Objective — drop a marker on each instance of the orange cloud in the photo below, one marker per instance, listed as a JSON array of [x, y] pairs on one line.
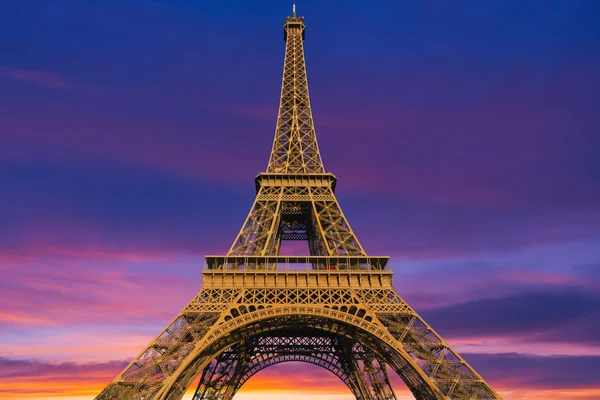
[[34, 380]]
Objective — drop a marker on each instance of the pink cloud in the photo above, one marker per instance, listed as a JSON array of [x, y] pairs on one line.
[[88, 293], [32, 253], [80, 343], [21, 379]]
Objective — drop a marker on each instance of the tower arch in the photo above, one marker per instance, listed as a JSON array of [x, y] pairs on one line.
[[296, 318]]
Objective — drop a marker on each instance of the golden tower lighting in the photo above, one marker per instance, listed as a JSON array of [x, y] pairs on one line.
[[335, 307]]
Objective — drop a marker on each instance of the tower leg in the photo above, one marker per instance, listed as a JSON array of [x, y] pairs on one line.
[[369, 372], [378, 379], [216, 378]]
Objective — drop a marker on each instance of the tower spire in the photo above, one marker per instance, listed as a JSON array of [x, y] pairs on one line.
[[294, 9], [295, 148]]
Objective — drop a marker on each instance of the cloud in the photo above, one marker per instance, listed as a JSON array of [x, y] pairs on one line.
[[38, 77], [127, 211], [50, 80], [522, 374], [557, 315], [11, 368], [512, 370], [494, 175], [27, 378], [95, 211], [419, 230], [86, 293]]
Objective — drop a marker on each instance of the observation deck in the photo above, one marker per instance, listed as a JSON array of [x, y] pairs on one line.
[[297, 263]]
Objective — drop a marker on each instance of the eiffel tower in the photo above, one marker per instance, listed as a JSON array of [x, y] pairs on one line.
[[335, 308]]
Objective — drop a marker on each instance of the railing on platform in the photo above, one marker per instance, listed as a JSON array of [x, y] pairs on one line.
[[319, 263]]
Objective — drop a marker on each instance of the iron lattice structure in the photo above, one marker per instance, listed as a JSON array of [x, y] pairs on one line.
[[335, 308]]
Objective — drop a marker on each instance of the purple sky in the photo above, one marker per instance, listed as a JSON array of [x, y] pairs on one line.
[[465, 137]]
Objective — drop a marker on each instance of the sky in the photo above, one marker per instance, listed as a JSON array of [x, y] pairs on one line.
[[465, 136]]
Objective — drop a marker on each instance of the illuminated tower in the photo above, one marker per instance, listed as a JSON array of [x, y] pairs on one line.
[[334, 307]]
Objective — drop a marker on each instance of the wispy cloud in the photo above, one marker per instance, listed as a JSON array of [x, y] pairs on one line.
[[43, 78], [21, 378], [516, 376], [552, 315]]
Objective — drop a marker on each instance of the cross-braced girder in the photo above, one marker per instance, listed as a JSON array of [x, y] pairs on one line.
[[341, 313], [314, 209]]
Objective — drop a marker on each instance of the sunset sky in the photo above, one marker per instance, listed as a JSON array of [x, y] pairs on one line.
[[465, 136]]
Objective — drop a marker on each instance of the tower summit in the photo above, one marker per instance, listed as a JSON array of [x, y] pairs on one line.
[[334, 307], [295, 146]]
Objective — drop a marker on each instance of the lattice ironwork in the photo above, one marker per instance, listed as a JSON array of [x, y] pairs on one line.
[[223, 377], [326, 228], [295, 148], [341, 312]]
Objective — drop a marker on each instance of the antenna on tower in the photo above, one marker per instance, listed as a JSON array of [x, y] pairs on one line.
[[294, 9]]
